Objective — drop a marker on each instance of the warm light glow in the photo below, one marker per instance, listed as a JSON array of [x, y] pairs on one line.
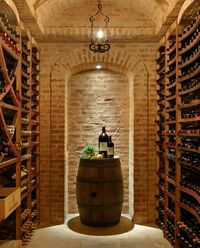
[[100, 34], [98, 66]]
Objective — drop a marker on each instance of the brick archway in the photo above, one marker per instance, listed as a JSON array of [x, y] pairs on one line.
[[135, 70]]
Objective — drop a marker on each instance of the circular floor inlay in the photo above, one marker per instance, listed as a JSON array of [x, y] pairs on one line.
[[125, 225]]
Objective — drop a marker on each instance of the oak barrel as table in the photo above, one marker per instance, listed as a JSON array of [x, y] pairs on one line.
[[99, 191]]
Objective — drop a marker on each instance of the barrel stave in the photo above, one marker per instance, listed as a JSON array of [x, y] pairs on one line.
[[99, 189]]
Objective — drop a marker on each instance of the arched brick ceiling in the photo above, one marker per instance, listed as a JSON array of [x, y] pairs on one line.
[[68, 20], [125, 24], [129, 20], [76, 17], [151, 9]]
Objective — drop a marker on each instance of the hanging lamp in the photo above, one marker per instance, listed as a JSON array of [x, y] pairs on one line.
[[99, 31]]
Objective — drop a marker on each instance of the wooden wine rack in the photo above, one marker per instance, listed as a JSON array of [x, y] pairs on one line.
[[178, 134], [19, 122]]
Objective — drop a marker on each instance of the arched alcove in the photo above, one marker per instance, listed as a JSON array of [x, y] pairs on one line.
[[136, 73], [96, 97], [61, 76]]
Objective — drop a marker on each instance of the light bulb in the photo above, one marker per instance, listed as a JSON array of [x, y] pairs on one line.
[[100, 34], [98, 66]]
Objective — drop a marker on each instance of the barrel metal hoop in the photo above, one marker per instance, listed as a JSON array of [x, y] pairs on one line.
[[82, 205], [107, 163], [103, 166], [80, 179]]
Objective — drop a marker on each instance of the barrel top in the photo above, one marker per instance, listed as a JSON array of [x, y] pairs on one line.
[[100, 162]]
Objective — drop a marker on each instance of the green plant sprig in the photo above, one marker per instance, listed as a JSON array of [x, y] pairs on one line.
[[88, 152]]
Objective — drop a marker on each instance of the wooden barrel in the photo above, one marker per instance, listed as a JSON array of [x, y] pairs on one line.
[[99, 191]]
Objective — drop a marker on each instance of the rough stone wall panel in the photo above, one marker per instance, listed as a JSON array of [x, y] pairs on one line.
[[97, 97]]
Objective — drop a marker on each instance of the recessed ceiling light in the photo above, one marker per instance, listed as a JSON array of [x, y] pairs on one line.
[[98, 66]]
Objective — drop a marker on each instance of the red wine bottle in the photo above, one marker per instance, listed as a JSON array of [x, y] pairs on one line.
[[110, 148], [103, 142]]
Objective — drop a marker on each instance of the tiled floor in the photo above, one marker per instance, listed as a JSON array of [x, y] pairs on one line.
[[62, 237]]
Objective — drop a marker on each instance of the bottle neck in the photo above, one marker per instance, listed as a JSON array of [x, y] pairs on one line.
[[110, 138], [103, 129]]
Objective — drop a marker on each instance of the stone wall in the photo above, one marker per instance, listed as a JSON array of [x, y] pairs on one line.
[[96, 97]]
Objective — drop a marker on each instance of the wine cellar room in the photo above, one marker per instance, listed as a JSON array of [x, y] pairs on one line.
[[99, 123]]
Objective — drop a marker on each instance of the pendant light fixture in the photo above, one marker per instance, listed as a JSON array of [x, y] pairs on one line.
[[99, 31]]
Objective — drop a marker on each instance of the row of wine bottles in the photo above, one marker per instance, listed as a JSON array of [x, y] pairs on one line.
[[190, 143], [188, 129], [190, 180], [170, 230], [186, 199], [189, 40], [10, 42], [22, 167], [185, 142], [9, 28], [186, 99], [177, 133], [189, 234], [106, 146], [188, 30], [190, 158], [185, 114], [186, 156], [189, 56]]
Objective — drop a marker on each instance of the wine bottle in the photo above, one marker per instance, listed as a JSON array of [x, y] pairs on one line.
[[171, 172], [103, 142], [2, 82], [171, 188], [110, 148]]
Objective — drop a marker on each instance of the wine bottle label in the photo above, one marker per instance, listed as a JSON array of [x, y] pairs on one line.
[[102, 146], [110, 151]]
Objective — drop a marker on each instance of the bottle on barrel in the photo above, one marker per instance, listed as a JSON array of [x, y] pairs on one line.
[[110, 148], [103, 142]]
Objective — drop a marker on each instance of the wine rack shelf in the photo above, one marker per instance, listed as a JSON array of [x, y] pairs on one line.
[[178, 135], [19, 129], [190, 192]]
